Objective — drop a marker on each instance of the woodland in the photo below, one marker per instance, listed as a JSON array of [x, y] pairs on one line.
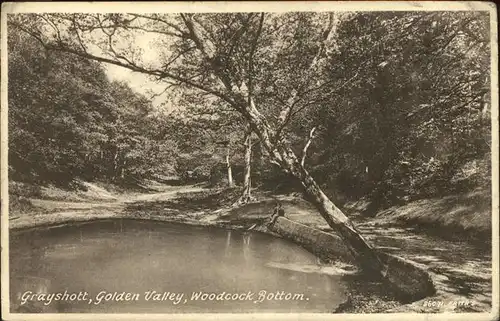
[[385, 107]]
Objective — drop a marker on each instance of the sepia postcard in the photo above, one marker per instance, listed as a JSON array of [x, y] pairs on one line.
[[281, 160]]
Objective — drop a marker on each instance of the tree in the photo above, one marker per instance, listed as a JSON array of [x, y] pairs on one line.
[[205, 125], [247, 179], [265, 67], [82, 125], [415, 115], [58, 104]]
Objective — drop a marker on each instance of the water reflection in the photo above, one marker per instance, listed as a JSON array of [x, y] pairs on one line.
[[227, 251], [246, 247], [136, 256]]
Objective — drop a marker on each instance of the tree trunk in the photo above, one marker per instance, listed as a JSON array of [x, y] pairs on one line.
[[247, 180], [114, 171], [282, 155], [246, 196], [362, 252], [229, 171], [122, 169], [242, 101]]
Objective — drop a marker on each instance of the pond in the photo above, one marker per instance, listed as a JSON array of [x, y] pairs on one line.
[[133, 266]]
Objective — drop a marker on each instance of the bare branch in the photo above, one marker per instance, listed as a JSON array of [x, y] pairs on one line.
[[208, 51], [53, 26], [194, 34], [113, 26], [172, 60], [238, 33], [163, 32], [129, 65], [285, 113], [77, 28], [252, 52], [171, 84], [272, 161], [326, 36], [306, 146], [205, 28], [301, 96], [177, 28]]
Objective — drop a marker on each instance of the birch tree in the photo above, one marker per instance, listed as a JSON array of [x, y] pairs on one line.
[[266, 67]]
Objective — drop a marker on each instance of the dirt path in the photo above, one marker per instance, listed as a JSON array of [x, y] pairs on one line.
[[58, 212], [162, 196], [168, 193]]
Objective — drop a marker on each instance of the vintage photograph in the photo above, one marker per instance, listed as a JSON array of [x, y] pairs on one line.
[[279, 158]]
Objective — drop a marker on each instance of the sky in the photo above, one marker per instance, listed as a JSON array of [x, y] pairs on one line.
[[137, 81], [149, 56]]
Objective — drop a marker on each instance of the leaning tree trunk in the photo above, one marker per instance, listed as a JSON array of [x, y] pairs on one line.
[[362, 252], [282, 155], [240, 98]]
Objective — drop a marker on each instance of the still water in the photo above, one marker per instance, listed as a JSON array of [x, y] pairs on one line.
[[124, 266]]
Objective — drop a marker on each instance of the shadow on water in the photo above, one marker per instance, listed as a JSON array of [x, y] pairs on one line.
[[138, 256]]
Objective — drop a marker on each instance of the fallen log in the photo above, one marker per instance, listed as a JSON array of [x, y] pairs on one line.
[[409, 281]]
